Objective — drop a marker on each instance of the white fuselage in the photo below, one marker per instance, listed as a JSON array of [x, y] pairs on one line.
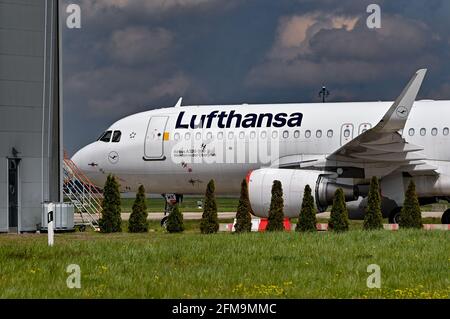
[[169, 157]]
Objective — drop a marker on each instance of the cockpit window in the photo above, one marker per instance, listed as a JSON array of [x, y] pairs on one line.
[[116, 136], [106, 137]]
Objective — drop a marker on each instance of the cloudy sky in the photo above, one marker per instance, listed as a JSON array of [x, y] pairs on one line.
[[136, 55]]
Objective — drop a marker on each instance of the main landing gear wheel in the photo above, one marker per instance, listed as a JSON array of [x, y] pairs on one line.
[[445, 219], [170, 200], [394, 216]]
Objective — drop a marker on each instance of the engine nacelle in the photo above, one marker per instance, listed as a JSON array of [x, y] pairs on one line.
[[293, 182]]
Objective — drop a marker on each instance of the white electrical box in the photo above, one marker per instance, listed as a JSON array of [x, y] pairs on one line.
[[62, 216]]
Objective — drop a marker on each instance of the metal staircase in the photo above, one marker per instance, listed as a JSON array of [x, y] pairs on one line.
[[83, 194]]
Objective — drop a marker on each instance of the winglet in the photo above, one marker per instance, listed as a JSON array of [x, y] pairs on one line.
[[179, 102], [395, 118]]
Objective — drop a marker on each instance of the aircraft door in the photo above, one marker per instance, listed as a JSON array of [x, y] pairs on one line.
[[346, 133], [154, 139]]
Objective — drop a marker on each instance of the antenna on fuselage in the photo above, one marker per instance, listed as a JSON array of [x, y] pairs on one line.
[[179, 102], [324, 93]]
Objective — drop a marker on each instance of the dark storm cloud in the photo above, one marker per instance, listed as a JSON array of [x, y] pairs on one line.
[[350, 55], [398, 39], [135, 55]]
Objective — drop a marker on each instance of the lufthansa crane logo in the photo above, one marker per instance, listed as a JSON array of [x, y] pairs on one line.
[[402, 111], [113, 157]]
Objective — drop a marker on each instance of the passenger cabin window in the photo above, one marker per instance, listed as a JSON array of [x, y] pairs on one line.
[[434, 131], [187, 136], [285, 134], [209, 135], [263, 134], [330, 133], [274, 134], [308, 134], [176, 136], [198, 136], [445, 131], [252, 134], [116, 136], [423, 131], [220, 135], [296, 133], [106, 137], [241, 135], [411, 132], [318, 133]]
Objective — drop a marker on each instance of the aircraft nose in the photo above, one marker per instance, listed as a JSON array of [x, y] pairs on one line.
[[84, 159], [87, 165], [79, 159]]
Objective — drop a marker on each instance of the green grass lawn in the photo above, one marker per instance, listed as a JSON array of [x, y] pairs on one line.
[[414, 264]]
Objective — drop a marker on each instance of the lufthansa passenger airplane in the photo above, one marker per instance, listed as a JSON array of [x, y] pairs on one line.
[[177, 150]]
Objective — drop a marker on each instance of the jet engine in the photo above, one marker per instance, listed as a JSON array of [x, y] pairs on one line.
[[293, 182]]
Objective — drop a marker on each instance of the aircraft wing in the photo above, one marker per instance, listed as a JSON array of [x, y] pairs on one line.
[[382, 147], [380, 150]]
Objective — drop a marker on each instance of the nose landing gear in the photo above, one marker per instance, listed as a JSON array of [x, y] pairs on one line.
[[170, 201], [164, 221]]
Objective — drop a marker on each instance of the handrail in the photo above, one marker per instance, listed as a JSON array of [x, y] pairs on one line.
[[79, 189]]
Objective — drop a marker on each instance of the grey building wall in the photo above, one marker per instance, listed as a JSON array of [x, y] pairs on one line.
[[29, 107]]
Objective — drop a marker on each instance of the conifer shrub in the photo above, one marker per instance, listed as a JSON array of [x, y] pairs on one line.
[[175, 223], [373, 219], [338, 221], [138, 222], [307, 219], [276, 215], [410, 215], [209, 223], [110, 221], [244, 210]]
